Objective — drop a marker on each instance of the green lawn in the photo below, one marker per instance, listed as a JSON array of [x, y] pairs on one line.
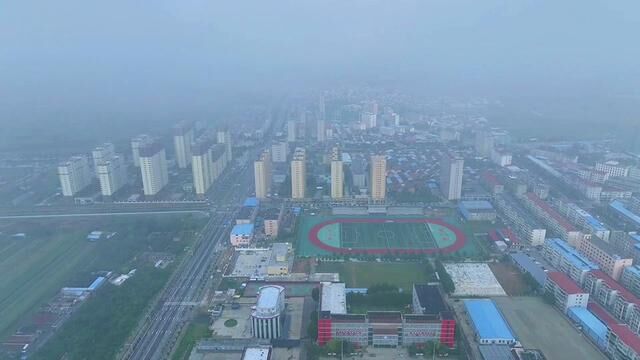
[[35, 269], [57, 254], [195, 331], [366, 274]]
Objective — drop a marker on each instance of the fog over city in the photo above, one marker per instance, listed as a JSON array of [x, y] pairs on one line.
[[96, 59], [319, 179]]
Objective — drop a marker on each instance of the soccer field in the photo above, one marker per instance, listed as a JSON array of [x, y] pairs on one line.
[[378, 236]]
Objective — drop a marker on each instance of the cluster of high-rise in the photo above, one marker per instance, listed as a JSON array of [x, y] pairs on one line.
[[209, 158]]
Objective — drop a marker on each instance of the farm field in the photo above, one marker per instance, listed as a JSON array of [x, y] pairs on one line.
[[366, 274]]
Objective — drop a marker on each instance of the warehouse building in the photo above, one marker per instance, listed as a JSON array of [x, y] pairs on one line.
[[488, 323], [523, 262], [567, 260], [590, 325], [565, 291]]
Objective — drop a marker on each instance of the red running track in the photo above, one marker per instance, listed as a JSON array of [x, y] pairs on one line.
[[461, 239]]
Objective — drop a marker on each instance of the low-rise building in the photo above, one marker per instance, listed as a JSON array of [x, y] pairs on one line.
[[241, 235], [281, 259], [630, 279], [488, 323], [587, 222], [565, 291], [479, 210]]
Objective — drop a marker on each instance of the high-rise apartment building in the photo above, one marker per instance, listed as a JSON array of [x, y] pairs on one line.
[[291, 131], [136, 143], [451, 170], [298, 174], [321, 130], [183, 137], [74, 174], [102, 153], [224, 137], [153, 166], [208, 162], [337, 175], [262, 174], [112, 174], [378, 177], [279, 152]]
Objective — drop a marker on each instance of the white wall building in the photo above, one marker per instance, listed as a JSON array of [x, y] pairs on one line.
[[451, 171], [136, 143], [337, 175], [183, 137], [153, 166], [378, 177], [74, 175], [279, 152], [102, 153], [299, 174], [112, 175], [262, 174]]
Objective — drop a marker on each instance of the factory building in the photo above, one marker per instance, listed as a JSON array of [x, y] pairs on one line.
[[267, 319], [488, 323]]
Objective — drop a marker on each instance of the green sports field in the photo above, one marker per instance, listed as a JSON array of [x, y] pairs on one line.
[[376, 235]]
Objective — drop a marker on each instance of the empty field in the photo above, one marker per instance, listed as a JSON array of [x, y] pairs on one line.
[[366, 274], [34, 269], [539, 325]]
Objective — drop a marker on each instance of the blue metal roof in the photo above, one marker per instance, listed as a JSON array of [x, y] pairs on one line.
[[242, 230], [251, 202], [525, 262], [572, 255], [589, 320], [97, 283], [487, 320], [618, 206], [476, 205]]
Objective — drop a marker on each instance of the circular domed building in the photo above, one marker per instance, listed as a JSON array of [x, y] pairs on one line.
[[267, 317]]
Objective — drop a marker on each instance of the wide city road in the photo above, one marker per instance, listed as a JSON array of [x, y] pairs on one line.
[[156, 337]]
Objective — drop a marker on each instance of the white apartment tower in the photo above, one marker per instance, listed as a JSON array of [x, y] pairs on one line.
[[136, 143], [112, 174], [208, 162], [153, 166], [378, 177], [279, 152], [337, 175], [224, 137], [298, 174], [102, 153], [74, 174], [291, 131], [183, 136], [262, 174], [321, 130], [451, 170]]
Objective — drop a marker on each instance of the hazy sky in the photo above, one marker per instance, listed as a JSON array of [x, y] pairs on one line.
[[86, 58]]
